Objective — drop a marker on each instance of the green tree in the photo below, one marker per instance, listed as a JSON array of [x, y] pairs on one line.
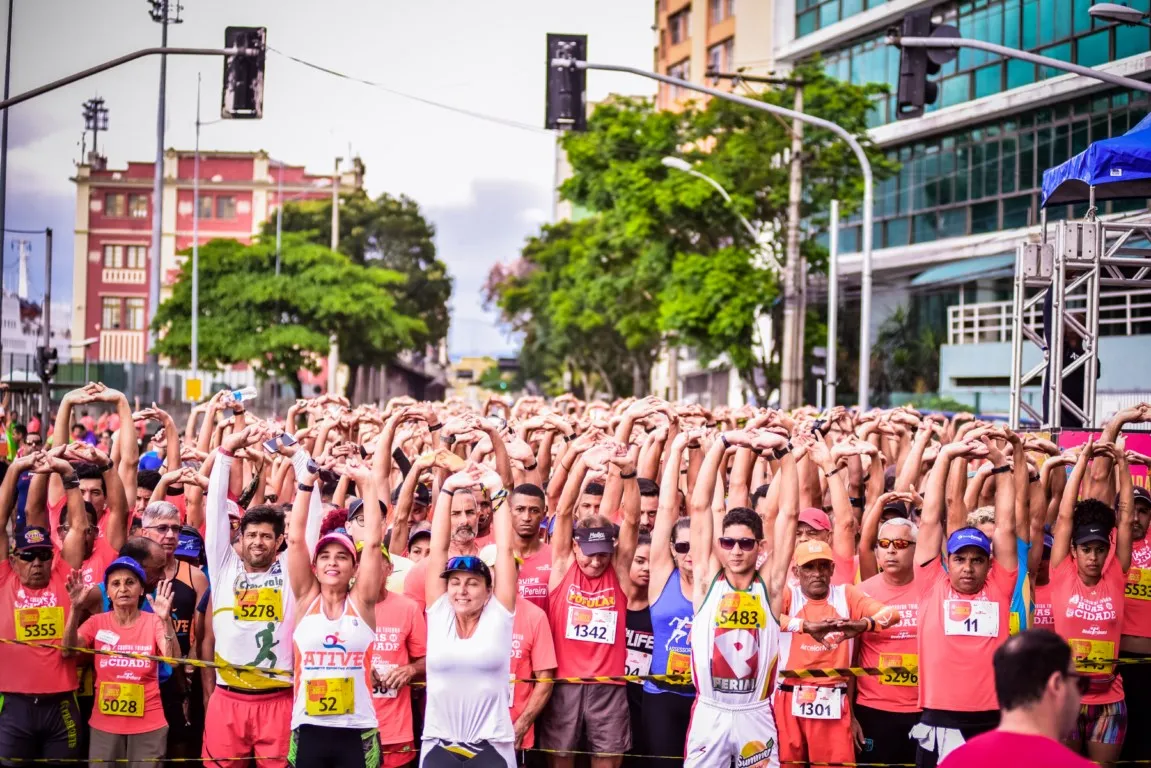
[[388, 232], [281, 324], [905, 357]]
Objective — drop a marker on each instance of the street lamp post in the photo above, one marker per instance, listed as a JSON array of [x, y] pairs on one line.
[[86, 345], [1120, 14]]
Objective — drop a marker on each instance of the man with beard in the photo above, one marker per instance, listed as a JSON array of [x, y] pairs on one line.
[[465, 512]]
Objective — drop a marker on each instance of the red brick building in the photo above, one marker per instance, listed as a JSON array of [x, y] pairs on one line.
[[112, 253]]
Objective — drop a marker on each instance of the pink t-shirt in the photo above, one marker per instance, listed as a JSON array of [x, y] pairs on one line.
[[893, 647], [102, 555], [533, 579], [1137, 591], [532, 649], [958, 635], [35, 615], [401, 635], [125, 687], [1091, 620], [1000, 749], [1044, 619], [416, 584]]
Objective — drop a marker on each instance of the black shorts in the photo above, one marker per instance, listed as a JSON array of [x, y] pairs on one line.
[[314, 745], [886, 735], [39, 727]]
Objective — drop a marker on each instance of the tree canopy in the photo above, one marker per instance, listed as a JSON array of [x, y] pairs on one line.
[[281, 324], [663, 255]]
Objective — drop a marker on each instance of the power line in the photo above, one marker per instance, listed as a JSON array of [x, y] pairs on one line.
[[413, 97]]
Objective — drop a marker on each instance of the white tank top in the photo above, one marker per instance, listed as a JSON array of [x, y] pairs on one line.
[[331, 686], [252, 618], [468, 692], [734, 644], [836, 598]]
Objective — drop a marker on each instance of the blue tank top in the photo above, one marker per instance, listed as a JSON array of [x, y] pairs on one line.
[[671, 616]]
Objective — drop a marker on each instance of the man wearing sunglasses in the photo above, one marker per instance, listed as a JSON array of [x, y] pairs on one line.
[[39, 716], [1038, 690]]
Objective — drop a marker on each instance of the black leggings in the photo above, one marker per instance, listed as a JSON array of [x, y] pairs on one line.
[[314, 745], [886, 735], [666, 717], [1137, 687]]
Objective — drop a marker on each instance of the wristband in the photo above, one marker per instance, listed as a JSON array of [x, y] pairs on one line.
[[832, 472], [445, 490], [622, 476], [794, 625], [71, 482], [870, 624], [1033, 478], [108, 467], [1001, 470], [569, 438], [726, 444], [436, 428], [226, 452], [779, 453], [533, 466], [304, 488]]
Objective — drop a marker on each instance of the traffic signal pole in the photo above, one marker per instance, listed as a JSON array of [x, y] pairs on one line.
[[841, 132], [46, 318]]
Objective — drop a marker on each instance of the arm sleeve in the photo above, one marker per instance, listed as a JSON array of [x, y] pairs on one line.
[[217, 532]]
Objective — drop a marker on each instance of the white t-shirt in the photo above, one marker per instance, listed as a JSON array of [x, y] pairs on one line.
[[468, 697]]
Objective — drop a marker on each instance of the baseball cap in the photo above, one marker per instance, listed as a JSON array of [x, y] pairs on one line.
[[467, 564], [595, 541], [816, 518], [358, 504], [968, 537], [900, 508], [125, 564], [1091, 532], [812, 550], [33, 537], [340, 537], [233, 509], [151, 460], [1142, 495], [420, 529]]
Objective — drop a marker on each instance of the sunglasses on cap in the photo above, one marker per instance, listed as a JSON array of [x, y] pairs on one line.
[[43, 555], [897, 543], [746, 545], [681, 547]]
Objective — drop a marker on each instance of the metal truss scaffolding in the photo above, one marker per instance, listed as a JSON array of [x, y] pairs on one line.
[[1087, 257]]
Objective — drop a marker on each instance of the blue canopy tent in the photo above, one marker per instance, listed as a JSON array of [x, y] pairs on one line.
[[1118, 168]]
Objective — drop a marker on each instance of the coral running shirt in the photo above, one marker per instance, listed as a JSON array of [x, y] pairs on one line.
[[532, 649], [958, 635], [1000, 749], [1043, 618], [1137, 591], [35, 615], [94, 566], [1090, 619], [896, 646], [127, 690], [534, 574], [401, 635]]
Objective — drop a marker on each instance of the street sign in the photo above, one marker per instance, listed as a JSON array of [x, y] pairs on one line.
[[193, 389]]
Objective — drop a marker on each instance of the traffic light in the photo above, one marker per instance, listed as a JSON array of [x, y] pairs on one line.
[[244, 74], [915, 64], [46, 362], [567, 84]]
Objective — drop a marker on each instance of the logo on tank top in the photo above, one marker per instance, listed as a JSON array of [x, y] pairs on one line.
[[755, 754], [739, 617], [333, 641]]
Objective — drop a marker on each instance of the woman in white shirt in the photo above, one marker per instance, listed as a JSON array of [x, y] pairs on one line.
[[469, 643]]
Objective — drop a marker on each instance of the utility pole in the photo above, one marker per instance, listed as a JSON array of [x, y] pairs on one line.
[[4, 168], [196, 243], [794, 287], [333, 343], [46, 317], [163, 12]]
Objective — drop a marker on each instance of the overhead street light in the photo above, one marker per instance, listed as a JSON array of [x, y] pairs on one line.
[[1120, 14]]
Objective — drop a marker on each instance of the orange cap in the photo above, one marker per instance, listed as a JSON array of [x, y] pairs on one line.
[[811, 550]]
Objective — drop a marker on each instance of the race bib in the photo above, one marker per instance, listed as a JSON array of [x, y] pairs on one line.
[[592, 625], [87, 678], [679, 664], [637, 663], [263, 604], [43, 623], [740, 610], [892, 677], [121, 699], [1138, 586], [329, 696], [381, 670], [973, 618], [817, 702], [1091, 656], [1013, 623]]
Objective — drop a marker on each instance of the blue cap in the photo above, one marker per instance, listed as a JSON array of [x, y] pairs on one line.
[[151, 461], [968, 537], [125, 564]]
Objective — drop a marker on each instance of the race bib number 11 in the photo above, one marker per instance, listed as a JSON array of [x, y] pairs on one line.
[[974, 618]]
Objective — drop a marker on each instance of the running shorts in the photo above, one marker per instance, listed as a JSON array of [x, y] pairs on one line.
[[720, 733]]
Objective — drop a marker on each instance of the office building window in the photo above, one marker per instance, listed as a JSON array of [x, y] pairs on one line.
[[225, 207], [729, 54], [113, 257], [730, 7], [715, 11], [205, 205], [989, 178], [138, 206], [115, 205], [715, 59], [678, 25], [681, 70], [110, 313], [135, 256], [134, 314]]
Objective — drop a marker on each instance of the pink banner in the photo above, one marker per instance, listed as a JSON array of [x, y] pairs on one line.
[[1140, 442]]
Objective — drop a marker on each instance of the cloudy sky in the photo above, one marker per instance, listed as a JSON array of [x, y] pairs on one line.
[[485, 185]]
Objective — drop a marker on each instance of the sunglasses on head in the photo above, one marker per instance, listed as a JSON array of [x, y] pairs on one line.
[[726, 542], [43, 555], [681, 547], [897, 543]]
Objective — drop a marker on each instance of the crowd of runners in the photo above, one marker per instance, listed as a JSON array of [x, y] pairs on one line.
[[376, 586]]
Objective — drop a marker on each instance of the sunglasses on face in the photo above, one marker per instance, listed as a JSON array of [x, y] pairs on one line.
[[43, 555], [683, 547], [745, 545], [897, 543], [164, 530]]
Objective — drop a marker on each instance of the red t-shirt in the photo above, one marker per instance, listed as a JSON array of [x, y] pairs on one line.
[[41, 615], [1091, 620], [1043, 617], [588, 622], [102, 555], [126, 686], [534, 575], [958, 635], [893, 647], [1137, 592], [532, 649], [1000, 749], [401, 635]]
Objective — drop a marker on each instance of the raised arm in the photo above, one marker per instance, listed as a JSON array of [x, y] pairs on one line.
[[625, 463], [507, 583], [929, 543], [300, 574], [437, 557], [1125, 513], [666, 515], [369, 574], [1061, 547], [784, 533]]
